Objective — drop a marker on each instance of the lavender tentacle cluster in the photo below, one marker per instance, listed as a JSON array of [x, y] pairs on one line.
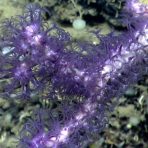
[[36, 56]]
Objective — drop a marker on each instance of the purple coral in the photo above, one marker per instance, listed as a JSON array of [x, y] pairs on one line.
[[89, 118], [32, 50], [85, 82]]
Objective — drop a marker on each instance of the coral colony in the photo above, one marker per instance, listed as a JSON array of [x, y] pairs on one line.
[[79, 84]]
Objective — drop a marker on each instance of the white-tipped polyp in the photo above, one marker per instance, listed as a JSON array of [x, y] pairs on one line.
[[138, 6], [31, 30]]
